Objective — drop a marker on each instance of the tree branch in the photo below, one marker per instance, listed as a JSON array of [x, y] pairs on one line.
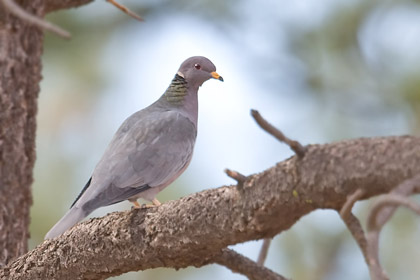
[[240, 179], [356, 230], [194, 229], [374, 229], [125, 10], [351, 200], [386, 200], [264, 251], [240, 264], [293, 144], [406, 188], [18, 11], [381, 212], [353, 224]]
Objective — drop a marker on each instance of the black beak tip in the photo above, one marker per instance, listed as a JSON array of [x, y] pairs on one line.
[[221, 79]]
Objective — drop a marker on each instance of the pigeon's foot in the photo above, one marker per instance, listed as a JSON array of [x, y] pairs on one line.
[[156, 202], [138, 206]]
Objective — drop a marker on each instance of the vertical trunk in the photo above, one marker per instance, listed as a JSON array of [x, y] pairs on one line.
[[20, 73]]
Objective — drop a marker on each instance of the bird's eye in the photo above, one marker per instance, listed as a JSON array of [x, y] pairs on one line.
[[197, 66]]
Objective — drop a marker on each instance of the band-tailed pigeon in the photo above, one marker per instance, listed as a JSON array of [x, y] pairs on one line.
[[150, 149]]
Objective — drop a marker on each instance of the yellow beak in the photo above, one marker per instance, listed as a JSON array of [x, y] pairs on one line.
[[216, 76]]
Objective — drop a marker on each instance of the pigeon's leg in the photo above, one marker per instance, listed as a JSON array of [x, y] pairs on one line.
[[156, 202], [136, 204]]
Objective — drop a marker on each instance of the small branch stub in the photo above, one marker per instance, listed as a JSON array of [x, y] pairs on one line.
[[293, 144], [236, 176]]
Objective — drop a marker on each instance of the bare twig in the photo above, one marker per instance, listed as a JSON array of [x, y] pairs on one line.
[[294, 145], [236, 176], [356, 230], [379, 215], [34, 20], [241, 264], [351, 200], [125, 10], [264, 251], [386, 200], [375, 270], [359, 236], [374, 228], [405, 188], [381, 212]]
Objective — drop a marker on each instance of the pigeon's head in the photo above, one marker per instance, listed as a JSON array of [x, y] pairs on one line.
[[198, 69]]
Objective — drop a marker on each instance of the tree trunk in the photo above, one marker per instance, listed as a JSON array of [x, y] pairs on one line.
[[20, 74]]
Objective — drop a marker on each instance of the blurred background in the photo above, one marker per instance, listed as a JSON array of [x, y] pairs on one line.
[[321, 71]]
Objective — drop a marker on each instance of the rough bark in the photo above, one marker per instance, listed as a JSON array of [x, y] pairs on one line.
[[192, 231], [20, 73]]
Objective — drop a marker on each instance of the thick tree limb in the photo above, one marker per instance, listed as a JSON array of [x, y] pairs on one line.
[[192, 230]]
